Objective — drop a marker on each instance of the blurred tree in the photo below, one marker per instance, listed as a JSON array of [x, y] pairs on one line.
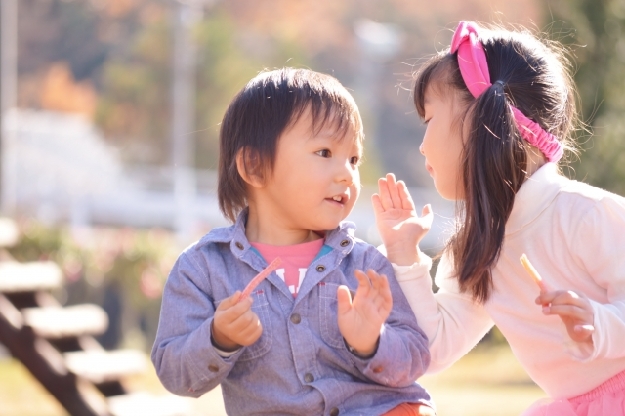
[[595, 32], [123, 48]]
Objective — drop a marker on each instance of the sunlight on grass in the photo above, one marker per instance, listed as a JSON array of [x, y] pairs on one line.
[[487, 382], [22, 395]]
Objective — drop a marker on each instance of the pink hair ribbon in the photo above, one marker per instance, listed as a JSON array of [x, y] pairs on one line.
[[474, 70]]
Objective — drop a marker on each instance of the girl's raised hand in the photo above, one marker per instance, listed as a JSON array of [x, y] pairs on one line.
[[234, 323], [361, 320], [574, 309], [400, 228]]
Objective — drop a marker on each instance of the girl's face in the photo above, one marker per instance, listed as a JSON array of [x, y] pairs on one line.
[[442, 143], [314, 182]]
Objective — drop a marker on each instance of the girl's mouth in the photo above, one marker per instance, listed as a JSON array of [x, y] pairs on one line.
[[429, 169]]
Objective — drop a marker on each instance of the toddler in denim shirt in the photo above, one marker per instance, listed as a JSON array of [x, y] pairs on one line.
[[318, 336]]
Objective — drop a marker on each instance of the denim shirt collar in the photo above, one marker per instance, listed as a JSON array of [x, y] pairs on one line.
[[340, 238], [340, 242]]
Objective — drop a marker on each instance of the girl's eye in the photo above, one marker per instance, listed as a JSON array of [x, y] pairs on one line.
[[323, 152], [354, 160]]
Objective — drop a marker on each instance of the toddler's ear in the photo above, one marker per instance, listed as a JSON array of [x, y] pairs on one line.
[[250, 166]]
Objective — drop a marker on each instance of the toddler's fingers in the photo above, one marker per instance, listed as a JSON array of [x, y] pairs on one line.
[[344, 299], [229, 302], [364, 284], [377, 280], [381, 289]]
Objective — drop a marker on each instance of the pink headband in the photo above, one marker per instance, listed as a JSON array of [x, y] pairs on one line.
[[474, 70]]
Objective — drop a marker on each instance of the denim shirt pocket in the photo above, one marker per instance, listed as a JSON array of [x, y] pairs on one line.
[[328, 315], [260, 307]]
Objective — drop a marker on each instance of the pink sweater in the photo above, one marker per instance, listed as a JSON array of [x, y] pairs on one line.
[[574, 235]]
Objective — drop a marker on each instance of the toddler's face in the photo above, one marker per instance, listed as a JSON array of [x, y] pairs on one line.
[[315, 180], [442, 143]]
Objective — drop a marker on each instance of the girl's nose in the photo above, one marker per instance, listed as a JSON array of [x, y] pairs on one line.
[[421, 149]]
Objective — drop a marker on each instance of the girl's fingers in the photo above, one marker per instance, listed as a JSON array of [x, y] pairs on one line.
[[376, 201], [560, 297], [567, 311], [584, 328], [404, 196], [427, 216], [384, 194], [393, 190]]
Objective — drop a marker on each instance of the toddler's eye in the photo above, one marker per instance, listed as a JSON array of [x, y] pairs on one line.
[[323, 152], [354, 160]]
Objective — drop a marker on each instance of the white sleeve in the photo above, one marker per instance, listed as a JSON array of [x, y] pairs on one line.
[[598, 243], [453, 322]]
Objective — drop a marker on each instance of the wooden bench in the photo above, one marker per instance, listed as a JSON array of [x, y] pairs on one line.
[[56, 343]]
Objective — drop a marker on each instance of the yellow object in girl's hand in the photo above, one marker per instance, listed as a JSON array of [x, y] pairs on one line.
[[532, 272]]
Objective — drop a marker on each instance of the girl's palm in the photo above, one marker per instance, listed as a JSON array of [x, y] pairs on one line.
[[396, 217]]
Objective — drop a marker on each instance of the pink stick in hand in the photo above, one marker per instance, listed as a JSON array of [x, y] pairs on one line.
[[259, 278]]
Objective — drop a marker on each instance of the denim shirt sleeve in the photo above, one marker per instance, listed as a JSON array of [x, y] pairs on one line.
[[185, 360], [402, 355]]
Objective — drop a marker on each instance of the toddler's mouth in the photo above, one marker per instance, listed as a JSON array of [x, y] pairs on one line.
[[341, 198]]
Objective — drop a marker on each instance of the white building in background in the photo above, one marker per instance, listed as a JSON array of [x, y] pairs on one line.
[[61, 171]]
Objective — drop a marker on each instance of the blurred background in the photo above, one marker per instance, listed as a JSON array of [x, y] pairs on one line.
[[110, 121]]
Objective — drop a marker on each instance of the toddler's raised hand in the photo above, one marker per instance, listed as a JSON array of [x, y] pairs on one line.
[[400, 228], [574, 309], [234, 324], [360, 321]]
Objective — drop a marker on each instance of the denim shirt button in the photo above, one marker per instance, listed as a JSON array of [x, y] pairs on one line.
[[320, 268], [344, 243], [239, 245], [334, 411], [308, 378], [296, 318], [213, 368]]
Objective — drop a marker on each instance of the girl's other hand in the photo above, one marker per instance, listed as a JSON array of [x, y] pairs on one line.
[[400, 228], [574, 309], [234, 324], [360, 321]]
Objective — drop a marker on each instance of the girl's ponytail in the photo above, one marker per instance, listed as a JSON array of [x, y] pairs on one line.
[[493, 171]]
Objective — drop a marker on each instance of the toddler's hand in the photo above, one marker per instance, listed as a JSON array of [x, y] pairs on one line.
[[399, 226], [574, 309], [234, 324], [360, 321]]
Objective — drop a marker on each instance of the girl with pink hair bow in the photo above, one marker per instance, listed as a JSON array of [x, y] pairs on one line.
[[499, 109]]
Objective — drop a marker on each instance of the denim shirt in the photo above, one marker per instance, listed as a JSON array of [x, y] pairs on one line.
[[300, 365]]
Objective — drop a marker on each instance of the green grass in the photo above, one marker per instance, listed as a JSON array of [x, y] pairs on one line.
[[487, 382]]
